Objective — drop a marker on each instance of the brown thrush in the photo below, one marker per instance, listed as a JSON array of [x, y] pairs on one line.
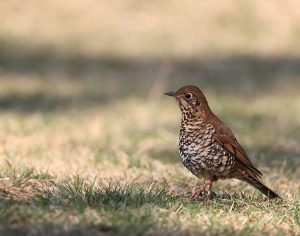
[[208, 148]]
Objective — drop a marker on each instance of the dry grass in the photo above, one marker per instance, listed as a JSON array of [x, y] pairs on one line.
[[129, 147], [89, 144], [157, 28]]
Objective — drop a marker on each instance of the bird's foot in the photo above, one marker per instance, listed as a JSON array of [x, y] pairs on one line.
[[203, 196], [198, 192]]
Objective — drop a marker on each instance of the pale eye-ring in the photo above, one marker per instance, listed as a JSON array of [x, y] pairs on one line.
[[188, 96]]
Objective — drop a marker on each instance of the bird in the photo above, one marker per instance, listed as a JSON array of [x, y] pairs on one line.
[[209, 149]]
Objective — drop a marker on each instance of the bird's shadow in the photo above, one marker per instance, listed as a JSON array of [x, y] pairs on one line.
[[229, 198]]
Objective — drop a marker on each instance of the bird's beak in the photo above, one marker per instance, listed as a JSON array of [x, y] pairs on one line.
[[172, 94]]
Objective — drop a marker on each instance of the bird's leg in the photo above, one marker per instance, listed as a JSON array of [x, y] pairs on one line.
[[200, 189], [209, 193]]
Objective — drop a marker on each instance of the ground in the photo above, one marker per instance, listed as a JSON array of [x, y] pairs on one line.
[[89, 143]]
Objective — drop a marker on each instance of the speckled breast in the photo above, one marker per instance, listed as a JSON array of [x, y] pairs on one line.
[[200, 153]]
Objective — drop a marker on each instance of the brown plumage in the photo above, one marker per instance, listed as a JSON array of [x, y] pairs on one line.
[[208, 148]]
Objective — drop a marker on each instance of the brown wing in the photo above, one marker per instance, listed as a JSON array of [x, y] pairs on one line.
[[227, 140]]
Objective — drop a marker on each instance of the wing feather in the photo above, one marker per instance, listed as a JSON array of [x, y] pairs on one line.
[[226, 139]]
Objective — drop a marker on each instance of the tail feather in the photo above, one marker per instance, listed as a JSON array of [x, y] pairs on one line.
[[256, 183]]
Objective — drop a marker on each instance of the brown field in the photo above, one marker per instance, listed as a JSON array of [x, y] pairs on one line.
[[88, 141]]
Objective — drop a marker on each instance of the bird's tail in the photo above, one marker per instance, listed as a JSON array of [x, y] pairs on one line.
[[256, 183]]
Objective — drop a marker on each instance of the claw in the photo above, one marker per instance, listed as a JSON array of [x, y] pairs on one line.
[[197, 192]]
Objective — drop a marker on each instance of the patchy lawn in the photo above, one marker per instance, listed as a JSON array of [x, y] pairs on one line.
[[89, 145]]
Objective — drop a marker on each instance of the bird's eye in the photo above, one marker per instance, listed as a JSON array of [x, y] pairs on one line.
[[188, 96]]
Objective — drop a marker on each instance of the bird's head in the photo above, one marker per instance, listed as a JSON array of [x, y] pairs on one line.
[[191, 100]]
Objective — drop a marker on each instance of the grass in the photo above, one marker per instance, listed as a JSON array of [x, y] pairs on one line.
[[134, 209], [89, 145], [124, 177]]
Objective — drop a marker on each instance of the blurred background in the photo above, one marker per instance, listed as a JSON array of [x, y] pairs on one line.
[[82, 109], [94, 51], [90, 74]]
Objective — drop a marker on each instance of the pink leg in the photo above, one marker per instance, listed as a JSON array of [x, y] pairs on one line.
[[200, 189]]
